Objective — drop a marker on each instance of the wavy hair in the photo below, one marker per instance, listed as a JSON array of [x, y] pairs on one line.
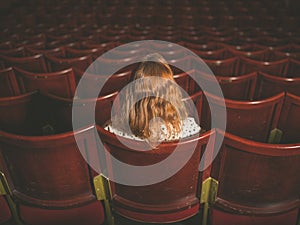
[[154, 99]]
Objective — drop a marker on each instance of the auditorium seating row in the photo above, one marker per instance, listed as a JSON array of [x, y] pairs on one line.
[[273, 119], [250, 86], [206, 50], [17, 36], [264, 190], [241, 63], [197, 35]]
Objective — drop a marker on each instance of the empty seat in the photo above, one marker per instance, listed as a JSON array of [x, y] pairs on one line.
[[56, 63], [276, 67], [290, 50], [235, 88], [183, 80], [224, 67], [90, 83], [289, 122], [248, 173], [18, 115], [61, 83], [180, 63], [61, 111], [73, 52], [214, 55], [51, 180], [35, 63], [256, 52], [58, 51], [8, 83], [15, 52], [170, 200], [293, 69], [269, 85], [249, 119]]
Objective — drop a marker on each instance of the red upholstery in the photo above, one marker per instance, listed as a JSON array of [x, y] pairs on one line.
[[56, 63], [275, 67], [184, 81], [269, 85], [90, 83], [15, 52], [61, 110], [173, 199], [94, 52], [293, 68], [17, 113], [51, 187], [215, 54], [240, 116], [34, 63], [61, 83], [235, 88], [248, 173], [225, 67]]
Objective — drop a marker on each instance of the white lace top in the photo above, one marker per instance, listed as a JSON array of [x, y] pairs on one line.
[[189, 128]]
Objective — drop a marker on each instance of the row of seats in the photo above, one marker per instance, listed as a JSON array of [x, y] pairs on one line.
[[272, 119], [226, 64], [62, 193], [206, 50], [231, 38], [194, 34], [16, 81]]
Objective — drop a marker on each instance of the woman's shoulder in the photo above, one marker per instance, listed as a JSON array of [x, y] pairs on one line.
[[189, 127]]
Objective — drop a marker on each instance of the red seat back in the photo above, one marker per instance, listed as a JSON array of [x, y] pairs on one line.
[[172, 199], [248, 173], [249, 119]]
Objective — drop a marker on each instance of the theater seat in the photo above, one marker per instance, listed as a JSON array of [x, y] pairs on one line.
[[56, 63], [289, 122], [51, 182], [171, 200], [249, 119], [8, 83], [35, 63], [269, 85], [258, 183], [61, 83], [61, 110]]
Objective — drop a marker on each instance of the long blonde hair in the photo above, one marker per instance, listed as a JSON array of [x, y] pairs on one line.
[[154, 99]]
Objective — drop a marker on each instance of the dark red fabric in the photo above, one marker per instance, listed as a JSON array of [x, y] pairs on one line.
[[91, 214], [219, 217], [5, 213], [159, 218]]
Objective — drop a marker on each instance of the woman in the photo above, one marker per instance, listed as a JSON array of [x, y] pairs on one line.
[[151, 106]]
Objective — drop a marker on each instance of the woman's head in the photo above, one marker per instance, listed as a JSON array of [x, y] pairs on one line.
[[152, 100], [153, 65]]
